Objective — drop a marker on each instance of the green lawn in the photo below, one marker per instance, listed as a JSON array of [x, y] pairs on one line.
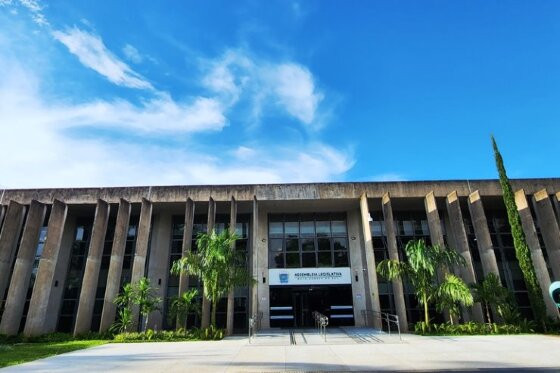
[[22, 352]]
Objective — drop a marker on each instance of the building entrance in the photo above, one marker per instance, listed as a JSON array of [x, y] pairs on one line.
[[293, 306]]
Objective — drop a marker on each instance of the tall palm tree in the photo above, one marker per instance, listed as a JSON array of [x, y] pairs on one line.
[[219, 267], [421, 268], [490, 293]]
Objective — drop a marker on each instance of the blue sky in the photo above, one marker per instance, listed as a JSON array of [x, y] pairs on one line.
[[157, 93]]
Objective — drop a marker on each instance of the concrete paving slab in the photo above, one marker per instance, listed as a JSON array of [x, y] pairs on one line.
[[521, 353]]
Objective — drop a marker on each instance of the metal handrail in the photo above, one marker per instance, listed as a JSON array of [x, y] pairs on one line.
[[321, 322], [383, 316]]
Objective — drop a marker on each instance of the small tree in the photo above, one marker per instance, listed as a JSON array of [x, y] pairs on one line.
[[420, 269], [144, 298], [123, 321], [520, 244], [491, 294], [451, 294], [219, 267], [124, 314], [181, 306]]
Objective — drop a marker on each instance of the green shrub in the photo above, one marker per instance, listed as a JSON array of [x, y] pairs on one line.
[[150, 335], [474, 328]]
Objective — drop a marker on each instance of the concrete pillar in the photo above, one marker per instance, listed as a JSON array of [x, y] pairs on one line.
[[2, 212], [187, 246], [536, 253], [139, 264], [467, 271], [549, 229], [23, 266], [482, 234], [436, 234], [262, 290], [45, 281], [434, 222], [91, 272], [115, 266], [253, 257], [9, 237], [360, 287], [557, 204], [231, 293], [373, 294], [158, 266], [205, 322], [398, 292]]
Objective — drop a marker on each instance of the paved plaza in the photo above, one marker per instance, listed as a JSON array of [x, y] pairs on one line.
[[344, 350]]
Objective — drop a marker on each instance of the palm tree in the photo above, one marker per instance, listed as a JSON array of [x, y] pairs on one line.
[[145, 300], [219, 267], [421, 268], [490, 293], [452, 293], [182, 305]]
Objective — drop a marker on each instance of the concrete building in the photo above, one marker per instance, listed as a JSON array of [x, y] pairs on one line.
[[65, 253]]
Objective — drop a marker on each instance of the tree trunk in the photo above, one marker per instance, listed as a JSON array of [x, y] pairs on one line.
[[450, 318], [146, 323], [488, 313], [213, 319], [426, 316]]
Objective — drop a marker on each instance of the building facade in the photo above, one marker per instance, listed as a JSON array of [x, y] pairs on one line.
[[66, 253]]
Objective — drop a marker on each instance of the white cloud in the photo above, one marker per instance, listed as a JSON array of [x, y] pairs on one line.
[[33, 6], [92, 52], [288, 86], [161, 114], [37, 153], [132, 54], [295, 90]]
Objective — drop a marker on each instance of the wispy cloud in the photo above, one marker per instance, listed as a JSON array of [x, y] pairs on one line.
[[55, 156], [287, 86], [132, 54], [52, 159], [33, 6], [92, 52]]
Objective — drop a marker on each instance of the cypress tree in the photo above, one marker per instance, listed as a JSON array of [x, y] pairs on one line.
[[521, 248]]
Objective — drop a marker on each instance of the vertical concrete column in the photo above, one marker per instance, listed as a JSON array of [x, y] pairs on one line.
[[44, 282], [187, 246], [482, 234], [360, 287], [557, 204], [142, 241], [261, 273], [159, 265], [231, 293], [549, 229], [115, 266], [436, 234], [434, 222], [536, 253], [205, 322], [253, 290], [91, 272], [398, 292], [458, 227], [373, 295], [9, 237], [23, 266], [2, 212]]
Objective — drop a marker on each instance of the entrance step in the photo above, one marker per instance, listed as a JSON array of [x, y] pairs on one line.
[[334, 336]]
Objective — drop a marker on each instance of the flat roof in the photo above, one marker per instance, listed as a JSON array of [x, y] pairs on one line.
[[272, 192]]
